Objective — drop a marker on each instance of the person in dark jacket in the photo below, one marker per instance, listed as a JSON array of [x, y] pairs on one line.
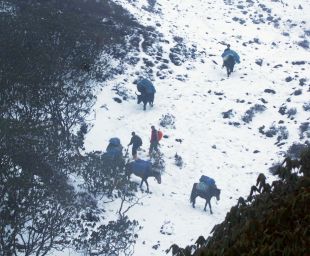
[[154, 140], [136, 142]]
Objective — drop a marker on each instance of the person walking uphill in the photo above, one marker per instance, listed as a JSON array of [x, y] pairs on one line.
[[154, 140], [136, 142]]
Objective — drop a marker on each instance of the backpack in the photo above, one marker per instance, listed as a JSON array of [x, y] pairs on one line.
[[159, 135], [139, 141]]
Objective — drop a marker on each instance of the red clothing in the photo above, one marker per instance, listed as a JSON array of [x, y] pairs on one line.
[[154, 136]]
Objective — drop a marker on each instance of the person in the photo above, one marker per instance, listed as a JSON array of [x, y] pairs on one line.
[[230, 58], [227, 48], [154, 140], [136, 142]]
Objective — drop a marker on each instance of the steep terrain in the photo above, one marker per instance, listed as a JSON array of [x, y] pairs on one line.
[[66, 64], [231, 129]]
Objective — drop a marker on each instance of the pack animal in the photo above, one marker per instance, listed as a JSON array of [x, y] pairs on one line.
[[207, 194], [145, 98], [142, 169], [229, 63], [147, 92]]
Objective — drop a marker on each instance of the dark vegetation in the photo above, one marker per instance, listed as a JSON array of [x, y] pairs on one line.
[[50, 51], [273, 220]]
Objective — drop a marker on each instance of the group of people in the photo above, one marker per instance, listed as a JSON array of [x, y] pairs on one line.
[[136, 142]]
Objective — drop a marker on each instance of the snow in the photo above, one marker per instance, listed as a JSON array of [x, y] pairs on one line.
[[209, 146]]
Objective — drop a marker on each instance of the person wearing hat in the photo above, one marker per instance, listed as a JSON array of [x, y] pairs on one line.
[[136, 142], [154, 140]]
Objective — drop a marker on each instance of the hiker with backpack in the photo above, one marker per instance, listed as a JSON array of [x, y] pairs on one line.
[[136, 142], [154, 140], [155, 137]]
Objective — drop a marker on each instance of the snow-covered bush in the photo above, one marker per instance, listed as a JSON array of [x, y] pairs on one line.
[[250, 113]]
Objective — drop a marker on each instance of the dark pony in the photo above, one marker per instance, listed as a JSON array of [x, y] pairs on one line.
[[143, 174], [208, 194], [229, 63], [145, 98]]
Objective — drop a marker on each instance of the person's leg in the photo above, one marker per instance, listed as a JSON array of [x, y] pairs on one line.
[[156, 147], [134, 152], [151, 148]]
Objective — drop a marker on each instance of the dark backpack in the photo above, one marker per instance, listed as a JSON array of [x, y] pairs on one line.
[[139, 141]]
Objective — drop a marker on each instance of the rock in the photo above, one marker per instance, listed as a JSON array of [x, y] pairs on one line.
[[288, 79], [118, 100], [278, 66], [228, 114], [304, 44], [259, 62], [302, 62], [302, 81], [297, 92], [270, 91]]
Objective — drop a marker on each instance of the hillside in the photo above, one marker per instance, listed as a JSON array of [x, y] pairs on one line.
[[68, 73], [231, 129]]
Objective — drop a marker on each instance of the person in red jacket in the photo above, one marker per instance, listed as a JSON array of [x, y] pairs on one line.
[[154, 140]]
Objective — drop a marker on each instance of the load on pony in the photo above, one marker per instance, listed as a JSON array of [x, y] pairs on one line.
[[205, 183], [114, 149], [144, 170], [147, 92], [230, 58], [206, 189]]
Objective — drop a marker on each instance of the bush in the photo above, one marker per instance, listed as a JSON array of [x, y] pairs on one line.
[[250, 113]]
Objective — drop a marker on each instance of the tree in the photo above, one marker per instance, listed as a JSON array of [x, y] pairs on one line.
[[48, 58]]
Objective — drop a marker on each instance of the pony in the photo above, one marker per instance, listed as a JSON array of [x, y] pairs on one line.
[[208, 194], [142, 169], [229, 63], [145, 98]]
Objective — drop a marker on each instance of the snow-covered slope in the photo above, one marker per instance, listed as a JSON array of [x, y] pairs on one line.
[[228, 128]]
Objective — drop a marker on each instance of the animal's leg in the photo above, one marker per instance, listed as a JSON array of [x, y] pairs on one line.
[[210, 207], [194, 201], [141, 184], [147, 186], [205, 208]]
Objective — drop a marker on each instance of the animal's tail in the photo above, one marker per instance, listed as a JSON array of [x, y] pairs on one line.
[[193, 193]]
